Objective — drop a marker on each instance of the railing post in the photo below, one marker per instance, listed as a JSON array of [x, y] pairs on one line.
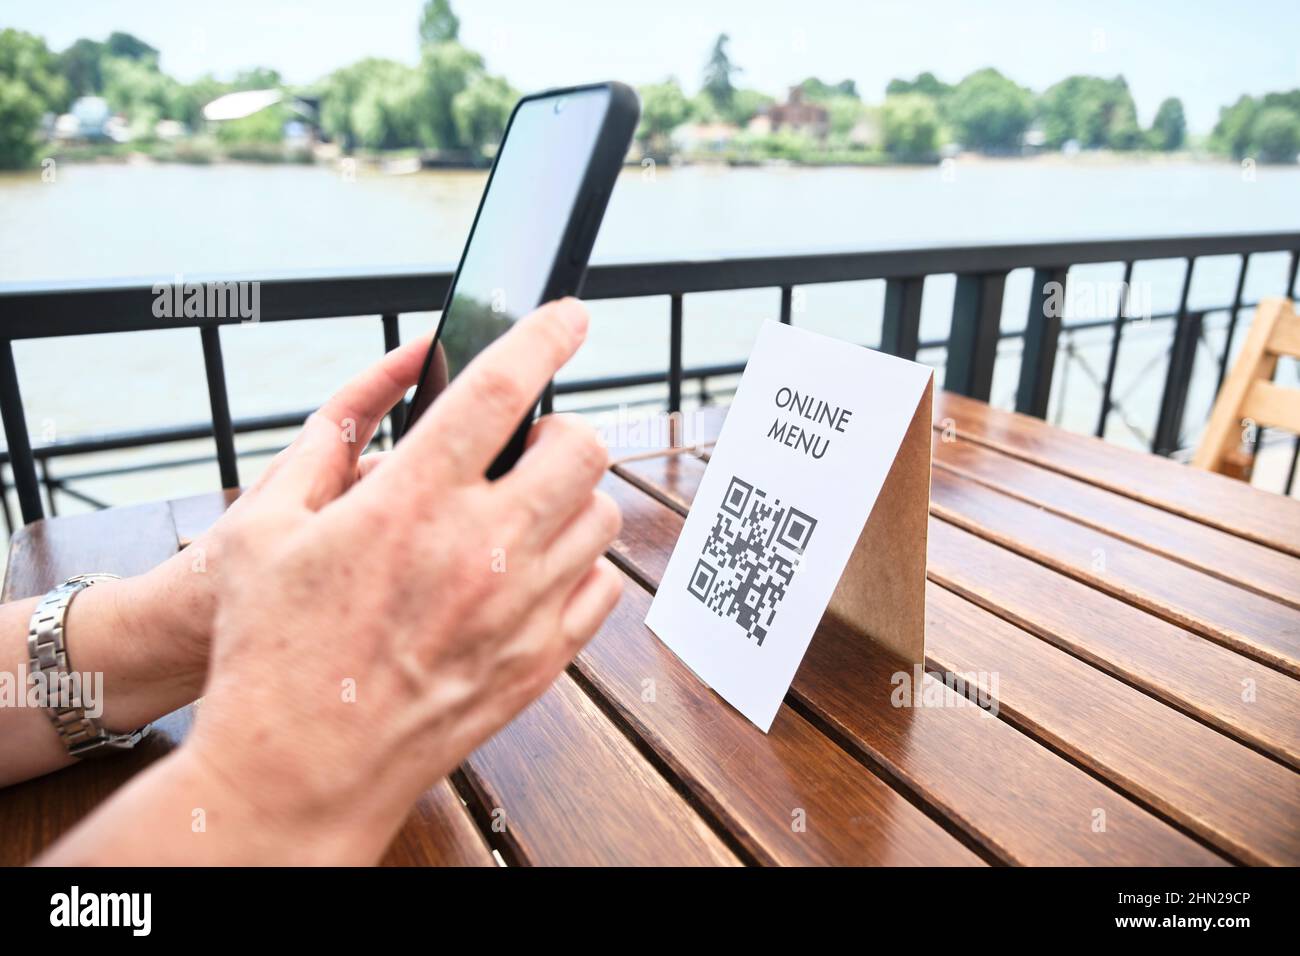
[[1232, 322], [1042, 331], [787, 299], [393, 339], [1182, 361], [223, 430], [973, 340], [900, 330], [675, 355], [1112, 360], [21, 459], [1182, 358]]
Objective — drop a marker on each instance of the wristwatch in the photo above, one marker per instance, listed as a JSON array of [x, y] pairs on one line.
[[47, 656]]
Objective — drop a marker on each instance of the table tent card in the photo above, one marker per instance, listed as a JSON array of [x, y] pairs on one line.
[[815, 501]]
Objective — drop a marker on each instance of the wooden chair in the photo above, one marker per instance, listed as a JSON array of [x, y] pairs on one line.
[[1249, 396]]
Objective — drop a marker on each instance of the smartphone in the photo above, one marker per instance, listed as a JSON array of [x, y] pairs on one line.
[[534, 229]]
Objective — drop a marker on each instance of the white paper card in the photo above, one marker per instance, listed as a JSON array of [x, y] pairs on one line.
[[805, 448]]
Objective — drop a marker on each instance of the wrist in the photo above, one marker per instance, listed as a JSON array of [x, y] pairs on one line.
[[274, 811], [127, 631]]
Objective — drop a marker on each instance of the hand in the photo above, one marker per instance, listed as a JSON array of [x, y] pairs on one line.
[[166, 614], [368, 635]]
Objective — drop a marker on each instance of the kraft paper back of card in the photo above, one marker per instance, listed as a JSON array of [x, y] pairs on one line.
[[815, 501]]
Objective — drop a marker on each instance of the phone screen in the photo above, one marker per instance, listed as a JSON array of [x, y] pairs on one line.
[[521, 223]]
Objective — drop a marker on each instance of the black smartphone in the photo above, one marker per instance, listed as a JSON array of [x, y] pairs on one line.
[[534, 229]]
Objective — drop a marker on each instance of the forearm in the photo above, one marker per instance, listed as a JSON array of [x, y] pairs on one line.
[[184, 811], [136, 651]]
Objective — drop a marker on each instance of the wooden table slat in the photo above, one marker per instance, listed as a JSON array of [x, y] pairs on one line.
[[1220, 502], [956, 758], [1239, 801], [1255, 626], [1245, 699], [1250, 701], [567, 788], [1234, 559], [439, 832], [121, 541], [790, 796]]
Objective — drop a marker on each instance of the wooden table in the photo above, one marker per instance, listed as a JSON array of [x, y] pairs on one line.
[[1143, 621]]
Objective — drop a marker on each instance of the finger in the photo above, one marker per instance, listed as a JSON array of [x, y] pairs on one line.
[[584, 539], [370, 461], [472, 420], [322, 461], [591, 602], [554, 476]]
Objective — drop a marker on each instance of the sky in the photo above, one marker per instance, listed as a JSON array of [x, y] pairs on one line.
[[1208, 52]]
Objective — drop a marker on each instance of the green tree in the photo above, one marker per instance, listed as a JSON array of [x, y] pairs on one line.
[[1092, 110], [20, 118], [910, 126], [438, 24], [263, 128], [26, 59], [446, 70], [1288, 100], [845, 112], [30, 85], [718, 71], [373, 103], [80, 66], [926, 83], [815, 89], [191, 99], [1275, 135], [135, 88], [664, 107], [989, 112], [129, 47], [1169, 128], [1232, 134], [257, 78], [481, 111], [745, 105], [1123, 131]]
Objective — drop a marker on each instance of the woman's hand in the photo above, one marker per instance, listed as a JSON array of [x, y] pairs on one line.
[[368, 635]]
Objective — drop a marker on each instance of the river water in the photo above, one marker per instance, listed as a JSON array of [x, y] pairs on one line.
[[110, 220]]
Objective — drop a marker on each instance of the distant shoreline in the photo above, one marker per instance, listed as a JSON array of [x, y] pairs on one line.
[[402, 163]]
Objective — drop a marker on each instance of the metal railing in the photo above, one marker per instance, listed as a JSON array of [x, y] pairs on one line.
[[46, 310]]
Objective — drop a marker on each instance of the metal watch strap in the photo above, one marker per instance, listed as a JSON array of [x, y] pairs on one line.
[[47, 655]]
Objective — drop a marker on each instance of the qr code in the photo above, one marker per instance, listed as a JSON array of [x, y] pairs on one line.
[[750, 557]]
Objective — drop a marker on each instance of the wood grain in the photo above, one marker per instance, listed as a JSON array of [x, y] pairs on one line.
[[35, 813], [439, 832], [1017, 800], [1260, 628], [1212, 499], [1226, 556], [789, 796], [1251, 702], [566, 788], [121, 541], [1239, 801]]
